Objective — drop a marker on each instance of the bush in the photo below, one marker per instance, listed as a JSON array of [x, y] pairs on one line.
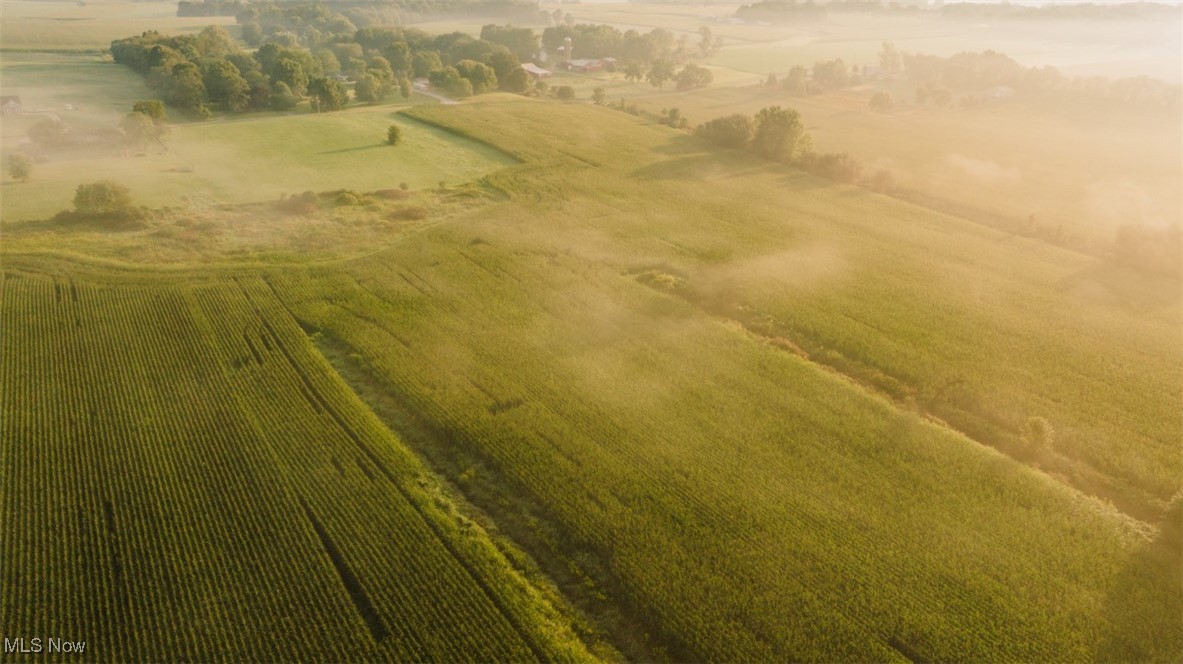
[[733, 131], [393, 135], [20, 166], [348, 198], [565, 92], [839, 167], [102, 197], [881, 101]]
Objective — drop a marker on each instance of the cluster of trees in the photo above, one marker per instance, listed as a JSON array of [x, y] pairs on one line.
[[782, 11], [778, 134], [824, 75], [197, 73], [976, 71], [630, 46]]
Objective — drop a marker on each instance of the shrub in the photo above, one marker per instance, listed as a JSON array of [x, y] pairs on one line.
[[881, 101], [20, 166], [393, 135], [565, 92], [102, 197], [733, 131], [839, 167], [348, 198]]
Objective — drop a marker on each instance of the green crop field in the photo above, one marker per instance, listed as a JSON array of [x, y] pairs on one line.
[[738, 413], [1087, 171], [184, 478]]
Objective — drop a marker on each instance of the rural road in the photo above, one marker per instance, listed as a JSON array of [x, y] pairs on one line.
[[442, 99]]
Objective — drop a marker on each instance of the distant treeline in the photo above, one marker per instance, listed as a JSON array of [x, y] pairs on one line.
[[989, 69], [809, 10], [508, 8]]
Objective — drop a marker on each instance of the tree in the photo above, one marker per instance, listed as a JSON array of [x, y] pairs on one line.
[[633, 72], [216, 41], [252, 34], [329, 64], [393, 135], [328, 95], [49, 133], [599, 97], [565, 92], [732, 131], [282, 97], [881, 101], [450, 82], [224, 84], [399, 56], [369, 89], [20, 166], [661, 71], [707, 43], [504, 64], [890, 59], [692, 76], [184, 87], [771, 80], [291, 73], [404, 88], [480, 75], [425, 63], [138, 128], [777, 132], [831, 74], [517, 82], [102, 197], [796, 81], [152, 108]]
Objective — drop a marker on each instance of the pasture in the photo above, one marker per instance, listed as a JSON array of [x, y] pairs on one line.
[[37, 25], [239, 160]]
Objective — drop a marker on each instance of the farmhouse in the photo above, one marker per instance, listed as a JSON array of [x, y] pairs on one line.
[[11, 105], [535, 71]]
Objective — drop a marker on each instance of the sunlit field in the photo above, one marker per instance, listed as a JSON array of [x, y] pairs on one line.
[[666, 363]]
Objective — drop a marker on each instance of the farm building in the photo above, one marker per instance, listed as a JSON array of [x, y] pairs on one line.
[[11, 105], [535, 71], [587, 65]]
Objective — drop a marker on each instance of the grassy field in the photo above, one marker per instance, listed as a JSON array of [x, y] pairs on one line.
[[239, 160], [270, 518], [746, 502], [1089, 171], [33, 25]]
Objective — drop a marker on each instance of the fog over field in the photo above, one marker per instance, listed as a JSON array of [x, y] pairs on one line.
[[503, 331]]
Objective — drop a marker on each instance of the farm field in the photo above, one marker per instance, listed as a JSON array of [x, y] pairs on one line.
[[682, 397], [547, 337], [270, 518], [1089, 171], [45, 25], [550, 381], [237, 161]]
